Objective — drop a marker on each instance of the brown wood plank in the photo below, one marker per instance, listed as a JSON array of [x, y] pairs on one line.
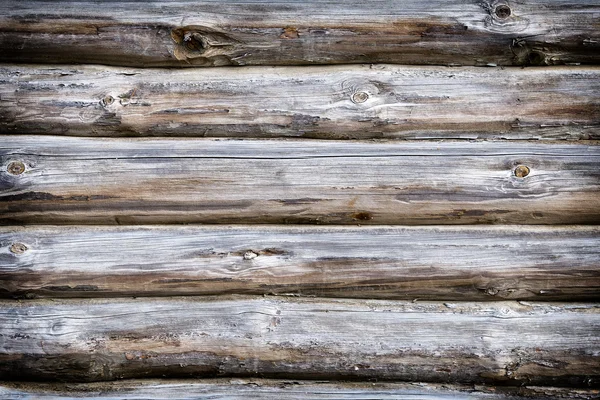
[[59, 180], [504, 342], [359, 101], [242, 32], [269, 389], [424, 263]]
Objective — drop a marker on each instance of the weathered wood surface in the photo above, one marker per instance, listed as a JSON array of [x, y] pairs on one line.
[[360, 101], [242, 32], [279, 389], [503, 342], [48, 179], [447, 263]]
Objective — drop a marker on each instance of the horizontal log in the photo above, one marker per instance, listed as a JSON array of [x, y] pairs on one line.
[[359, 101], [269, 389], [493, 343], [60, 180], [447, 263], [242, 32]]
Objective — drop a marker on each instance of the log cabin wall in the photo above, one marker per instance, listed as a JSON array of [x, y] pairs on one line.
[[301, 199]]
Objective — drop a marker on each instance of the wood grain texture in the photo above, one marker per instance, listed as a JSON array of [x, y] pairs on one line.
[[495, 343], [440, 263], [268, 389], [59, 180], [242, 32], [359, 101]]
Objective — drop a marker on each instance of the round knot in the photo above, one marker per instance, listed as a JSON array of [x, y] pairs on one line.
[[18, 248], [15, 168], [107, 101], [502, 11], [360, 97], [521, 171]]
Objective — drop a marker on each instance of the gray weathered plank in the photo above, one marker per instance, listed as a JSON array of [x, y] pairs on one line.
[[502, 342], [48, 179], [359, 101], [213, 389], [447, 263], [242, 32]]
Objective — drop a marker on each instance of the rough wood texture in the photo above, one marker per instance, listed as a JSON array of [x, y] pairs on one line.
[[504, 342], [448, 263], [129, 181], [213, 33], [213, 389], [380, 101]]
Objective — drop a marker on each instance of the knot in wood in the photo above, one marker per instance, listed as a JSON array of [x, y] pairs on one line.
[[521, 171], [502, 11], [362, 216], [107, 101], [18, 248], [360, 97], [536, 58], [193, 41], [289, 33], [249, 255], [15, 168]]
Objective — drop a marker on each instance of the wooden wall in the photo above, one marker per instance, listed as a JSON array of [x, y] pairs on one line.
[[421, 218]]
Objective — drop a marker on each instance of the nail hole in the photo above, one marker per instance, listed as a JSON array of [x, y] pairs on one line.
[[502, 11], [360, 97], [15, 168], [18, 248], [521, 171]]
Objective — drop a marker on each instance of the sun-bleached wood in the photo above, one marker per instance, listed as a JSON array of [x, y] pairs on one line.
[[241, 32], [268, 389], [504, 342], [59, 180], [358, 101], [448, 263]]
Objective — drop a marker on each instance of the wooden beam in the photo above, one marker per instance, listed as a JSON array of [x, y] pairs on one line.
[[434, 263], [129, 181], [242, 32], [269, 389], [496, 343], [359, 101]]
